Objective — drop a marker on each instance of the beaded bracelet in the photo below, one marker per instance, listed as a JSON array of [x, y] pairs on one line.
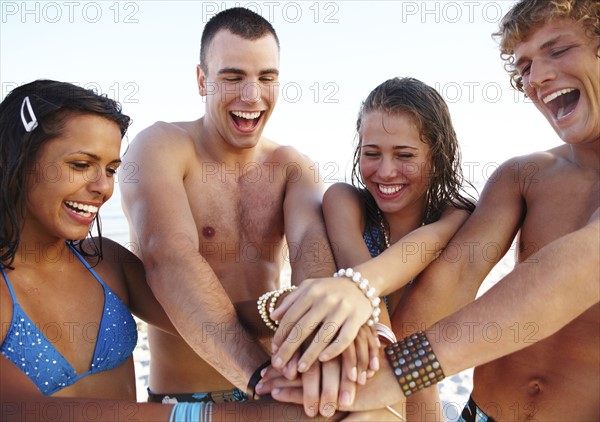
[[369, 292], [267, 303], [414, 363]]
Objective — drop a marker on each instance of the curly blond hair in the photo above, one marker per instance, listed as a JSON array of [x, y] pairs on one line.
[[528, 15]]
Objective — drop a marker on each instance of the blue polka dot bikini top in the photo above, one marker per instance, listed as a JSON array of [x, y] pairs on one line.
[[27, 347]]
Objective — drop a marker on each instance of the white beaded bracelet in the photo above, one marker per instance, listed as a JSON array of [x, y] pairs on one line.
[[266, 305], [369, 292]]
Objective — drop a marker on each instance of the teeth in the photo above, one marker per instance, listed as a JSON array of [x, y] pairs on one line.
[[86, 210], [556, 94], [244, 115], [389, 190]]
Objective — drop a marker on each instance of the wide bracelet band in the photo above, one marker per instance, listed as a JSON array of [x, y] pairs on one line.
[[254, 379], [414, 363], [201, 412], [369, 292], [266, 304]]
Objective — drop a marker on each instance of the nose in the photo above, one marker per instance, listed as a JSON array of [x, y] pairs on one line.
[[251, 93], [101, 183], [386, 169], [540, 73]]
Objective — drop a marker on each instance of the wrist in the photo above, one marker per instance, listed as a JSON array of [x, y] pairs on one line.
[[414, 363]]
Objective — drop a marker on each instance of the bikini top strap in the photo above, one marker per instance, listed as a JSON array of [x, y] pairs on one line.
[[87, 265], [10, 289]]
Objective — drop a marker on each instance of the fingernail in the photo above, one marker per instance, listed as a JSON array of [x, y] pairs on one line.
[[362, 379], [259, 387], [375, 364], [275, 392], [274, 348], [302, 367], [278, 362], [324, 357], [263, 372], [345, 399], [370, 373], [312, 412], [353, 374], [378, 342]]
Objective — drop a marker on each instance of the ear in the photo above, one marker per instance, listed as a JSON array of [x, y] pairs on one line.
[[201, 80]]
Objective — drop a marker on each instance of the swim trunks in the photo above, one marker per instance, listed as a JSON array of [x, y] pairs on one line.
[[224, 396], [472, 413]]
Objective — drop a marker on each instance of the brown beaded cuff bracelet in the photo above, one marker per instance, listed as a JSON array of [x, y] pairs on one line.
[[414, 363]]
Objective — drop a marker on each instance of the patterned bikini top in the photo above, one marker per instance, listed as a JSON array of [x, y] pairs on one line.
[[29, 349]]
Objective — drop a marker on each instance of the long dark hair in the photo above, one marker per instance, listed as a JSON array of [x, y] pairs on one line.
[[432, 117], [21, 137]]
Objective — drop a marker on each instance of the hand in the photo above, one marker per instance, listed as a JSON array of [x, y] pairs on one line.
[[380, 391], [336, 305], [361, 358]]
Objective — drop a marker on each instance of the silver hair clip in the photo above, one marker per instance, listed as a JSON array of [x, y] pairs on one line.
[[29, 126]]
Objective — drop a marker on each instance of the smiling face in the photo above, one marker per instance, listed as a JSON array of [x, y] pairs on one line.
[[560, 69], [240, 86], [72, 177], [394, 162]]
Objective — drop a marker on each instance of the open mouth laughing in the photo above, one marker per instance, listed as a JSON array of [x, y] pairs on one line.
[[562, 102], [246, 121], [82, 209], [389, 189]]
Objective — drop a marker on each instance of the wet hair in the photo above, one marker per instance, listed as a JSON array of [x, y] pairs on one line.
[[429, 112], [529, 15], [53, 104], [239, 21]]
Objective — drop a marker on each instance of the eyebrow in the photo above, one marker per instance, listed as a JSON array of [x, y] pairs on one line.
[[237, 71], [95, 157], [548, 44], [395, 147]]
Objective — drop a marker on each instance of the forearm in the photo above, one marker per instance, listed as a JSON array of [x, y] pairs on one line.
[[409, 256], [311, 257], [545, 293], [75, 409], [196, 302]]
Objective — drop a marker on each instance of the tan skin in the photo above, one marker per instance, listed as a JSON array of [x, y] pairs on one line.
[[235, 196], [52, 286], [544, 366], [56, 290], [556, 378]]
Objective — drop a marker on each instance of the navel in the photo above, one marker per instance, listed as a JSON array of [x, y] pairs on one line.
[[208, 231]]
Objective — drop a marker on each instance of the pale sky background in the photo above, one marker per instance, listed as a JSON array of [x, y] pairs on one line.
[[333, 53]]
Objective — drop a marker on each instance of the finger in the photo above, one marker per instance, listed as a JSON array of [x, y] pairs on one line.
[[346, 336], [349, 363], [290, 370], [330, 387], [362, 356], [347, 391], [374, 346], [267, 386], [285, 303], [289, 320], [298, 333], [288, 395], [311, 383]]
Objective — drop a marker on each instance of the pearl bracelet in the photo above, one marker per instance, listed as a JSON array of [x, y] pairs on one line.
[[266, 304], [369, 292]]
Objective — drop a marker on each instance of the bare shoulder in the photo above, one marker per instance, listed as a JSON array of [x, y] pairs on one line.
[[341, 192], [172, 139], [536, 163]]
